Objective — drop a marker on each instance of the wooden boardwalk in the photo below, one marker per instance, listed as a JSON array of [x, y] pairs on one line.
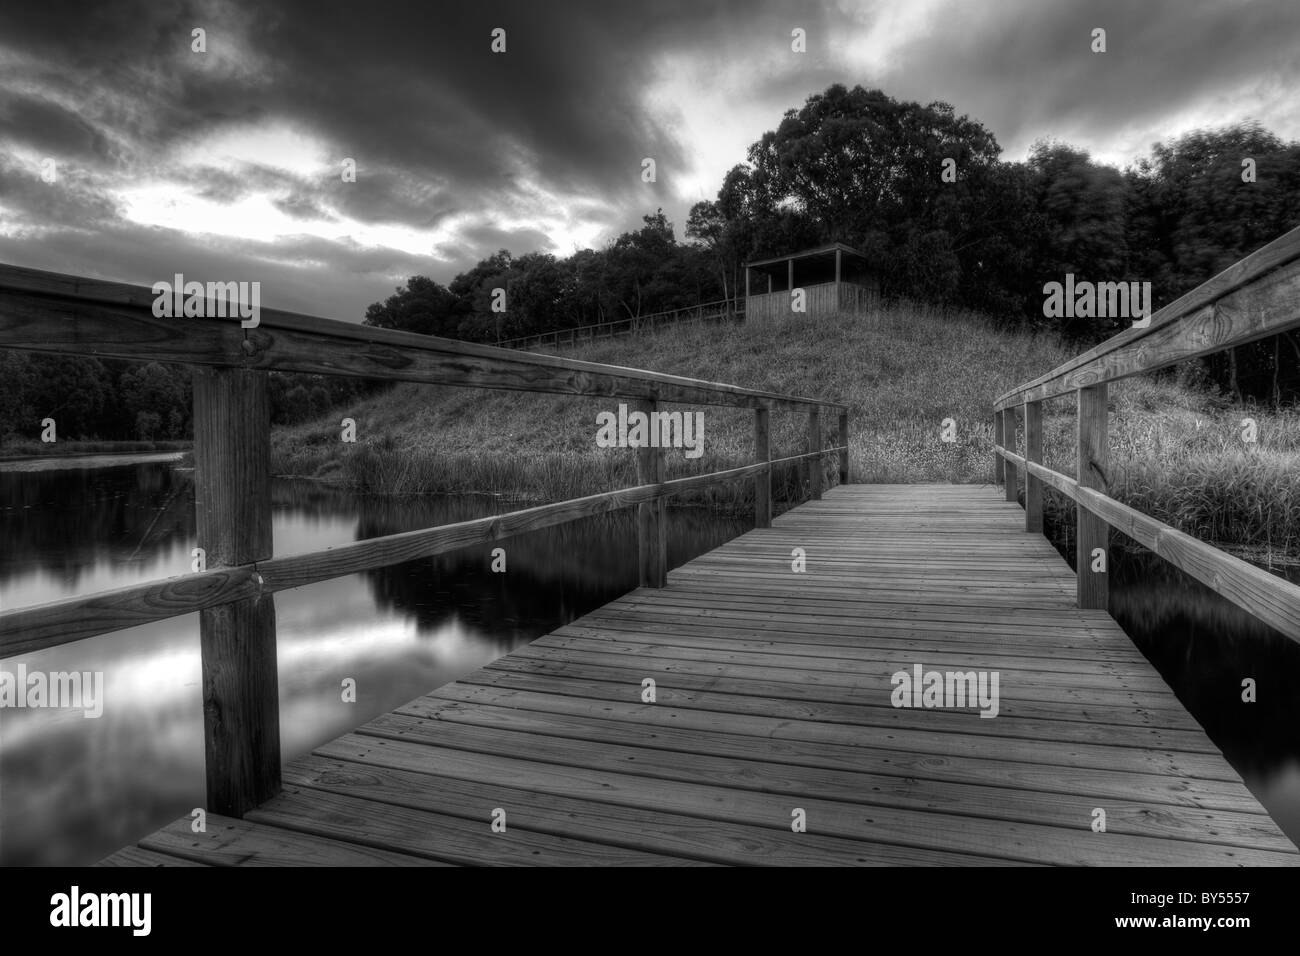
[[773, 692]]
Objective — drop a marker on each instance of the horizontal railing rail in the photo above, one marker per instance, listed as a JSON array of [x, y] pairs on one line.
[[234, 595], [37, 627], [1256, 297], [704, 312], [1252, 299], [47, 312]]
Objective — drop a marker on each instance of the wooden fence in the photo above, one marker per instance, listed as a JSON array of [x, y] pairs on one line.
[[68, 315], [722, 310], [1255, 298], [820, 299]]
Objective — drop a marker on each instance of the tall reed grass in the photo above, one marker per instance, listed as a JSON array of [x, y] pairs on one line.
[[1176, 449]]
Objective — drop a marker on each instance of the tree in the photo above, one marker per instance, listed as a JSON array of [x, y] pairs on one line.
[[147, 425], [421, 306], [1193, 213], [150, 393], [1082, 206], [71, 390], [861, 167]]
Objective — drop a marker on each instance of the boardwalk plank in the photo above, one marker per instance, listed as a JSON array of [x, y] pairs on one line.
[[231, 842], [773, 693], [639, 828]]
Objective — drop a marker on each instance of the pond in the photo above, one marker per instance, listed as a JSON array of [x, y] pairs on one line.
[[73, 790]]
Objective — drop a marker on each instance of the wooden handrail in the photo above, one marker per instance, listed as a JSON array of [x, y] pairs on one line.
[[1256, 297], [585, 331], [71, 315], [27, 629], [1252, 299], [1274, 600]]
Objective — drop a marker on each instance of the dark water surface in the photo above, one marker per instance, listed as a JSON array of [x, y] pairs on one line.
[[1204, 646], [74, 789]]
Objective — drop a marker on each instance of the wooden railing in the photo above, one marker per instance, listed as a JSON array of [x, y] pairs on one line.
[[46, 312], [720, 310], [1255, 298]]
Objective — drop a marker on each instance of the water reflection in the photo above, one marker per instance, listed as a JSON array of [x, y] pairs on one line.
[[74, 789], [1204, 646]]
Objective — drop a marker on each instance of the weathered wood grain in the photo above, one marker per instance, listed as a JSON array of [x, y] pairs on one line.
[[1091, 531], [814, 449], [762, 480], [1034, 453], [1008, 440], [50, 312], [1165, 341], [774, 692], [229, 841], [1272, 599], [27, 629], [61, 622], [1255, 308], [652, 516], [232, 503]]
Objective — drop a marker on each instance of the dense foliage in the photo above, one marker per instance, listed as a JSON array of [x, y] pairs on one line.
[[860, 167], [851, 165], [105, 400]]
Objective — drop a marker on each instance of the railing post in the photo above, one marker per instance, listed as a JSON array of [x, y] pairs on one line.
[[999, 471], [1034, 453], [652, 524], [815, 446], [844, 445], [1092, 531], [763, 480], [1009, 443], [232, 503]]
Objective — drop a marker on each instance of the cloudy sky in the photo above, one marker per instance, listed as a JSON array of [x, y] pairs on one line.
[[226, 165]]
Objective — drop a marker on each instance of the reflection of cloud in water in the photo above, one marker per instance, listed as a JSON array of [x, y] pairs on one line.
[[141, 763], [37, 585], [74, 789], [84, 785], [304, 533]]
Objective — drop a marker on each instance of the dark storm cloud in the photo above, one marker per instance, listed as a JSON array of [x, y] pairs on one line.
[[75, 200], [448, 135], [1026, 69], [438, 124], [308, 275], [300, 205], [516, 240], [48, 128], [392, 196]]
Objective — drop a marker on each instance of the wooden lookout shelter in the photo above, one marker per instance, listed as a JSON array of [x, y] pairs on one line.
[[834, 278]]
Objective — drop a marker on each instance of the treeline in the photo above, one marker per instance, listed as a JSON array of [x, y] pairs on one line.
[[111, 400], [922, 191], [638, 273]]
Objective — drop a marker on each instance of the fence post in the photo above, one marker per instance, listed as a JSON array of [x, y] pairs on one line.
[[232, 504], [844, 447], [1034, 453], [999, 471], [1009, 443], [1092, 531], [652, 526], [763, 480], [815, 446]]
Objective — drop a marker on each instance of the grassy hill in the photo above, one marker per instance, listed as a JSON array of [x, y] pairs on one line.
[[1176, 448]]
